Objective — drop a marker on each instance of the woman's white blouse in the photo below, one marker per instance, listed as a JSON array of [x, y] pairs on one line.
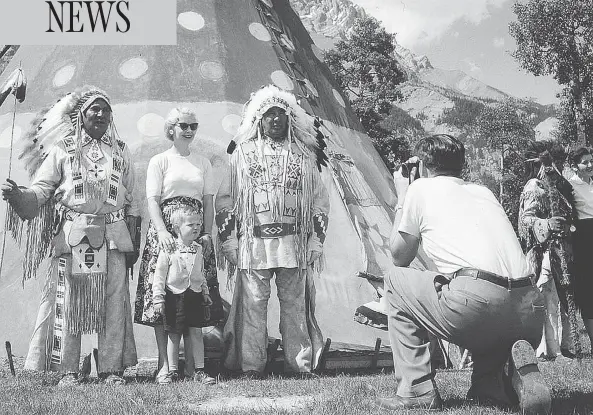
[[583, 195], [170, 174]]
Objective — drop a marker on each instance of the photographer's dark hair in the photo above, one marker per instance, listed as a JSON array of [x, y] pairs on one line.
[[442, 153], [577, 154]]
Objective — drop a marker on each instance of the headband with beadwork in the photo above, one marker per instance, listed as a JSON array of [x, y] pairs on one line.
[[91, 99], [271, 103]]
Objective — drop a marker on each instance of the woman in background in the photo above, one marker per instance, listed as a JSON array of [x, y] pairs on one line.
[[581, 162]]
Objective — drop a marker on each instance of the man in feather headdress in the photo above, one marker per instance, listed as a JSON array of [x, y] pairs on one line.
[[272, 213], [80, 199], [546, 213]]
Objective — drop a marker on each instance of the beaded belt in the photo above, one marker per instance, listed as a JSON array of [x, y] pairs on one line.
[[274, 230], [110, 217]]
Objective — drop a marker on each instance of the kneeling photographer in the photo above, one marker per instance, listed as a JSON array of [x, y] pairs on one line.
[[481, 298]]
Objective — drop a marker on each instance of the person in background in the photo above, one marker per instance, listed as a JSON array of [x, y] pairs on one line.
[[546, 212], [581, 162], [481, 298]]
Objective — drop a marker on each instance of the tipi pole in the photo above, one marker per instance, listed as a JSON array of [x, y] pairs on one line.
[[19, 79], [10, 360]]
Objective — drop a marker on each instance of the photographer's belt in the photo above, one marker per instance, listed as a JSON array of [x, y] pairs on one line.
[[274, 230], [494, 278]]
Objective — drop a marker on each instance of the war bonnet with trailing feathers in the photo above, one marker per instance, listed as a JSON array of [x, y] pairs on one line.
[[303, 129], [62, 119]]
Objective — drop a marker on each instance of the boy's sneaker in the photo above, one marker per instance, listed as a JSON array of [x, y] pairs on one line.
[[204, 378], [114, 379], [69, 379], [534, 395], [167, 378]]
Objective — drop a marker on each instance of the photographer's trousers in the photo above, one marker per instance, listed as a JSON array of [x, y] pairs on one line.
[[475, 314]]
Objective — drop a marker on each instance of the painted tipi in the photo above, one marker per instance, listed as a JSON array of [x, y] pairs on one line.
[[225, 50]]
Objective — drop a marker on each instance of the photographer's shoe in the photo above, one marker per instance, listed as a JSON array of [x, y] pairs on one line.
[[492, 389], [429, 401], [534, 395]]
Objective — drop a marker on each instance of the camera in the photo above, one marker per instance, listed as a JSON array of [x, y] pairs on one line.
[[408, 167]]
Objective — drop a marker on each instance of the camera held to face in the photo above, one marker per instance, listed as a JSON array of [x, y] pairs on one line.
[[411, 166]]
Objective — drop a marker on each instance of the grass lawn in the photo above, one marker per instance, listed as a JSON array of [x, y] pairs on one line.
[[29, 393]]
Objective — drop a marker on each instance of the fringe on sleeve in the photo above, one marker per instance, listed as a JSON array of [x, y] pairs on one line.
[[37, 235]]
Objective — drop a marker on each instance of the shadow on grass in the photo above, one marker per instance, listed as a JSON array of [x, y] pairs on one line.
[[573, 402], [566, 402]]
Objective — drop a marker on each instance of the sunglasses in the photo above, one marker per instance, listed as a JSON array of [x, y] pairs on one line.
[[184, 125]]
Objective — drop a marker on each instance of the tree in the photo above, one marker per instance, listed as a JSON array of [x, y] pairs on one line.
[[365, 67], [555, 37], [506, 129]]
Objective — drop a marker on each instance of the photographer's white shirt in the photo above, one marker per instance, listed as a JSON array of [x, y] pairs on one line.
[[460, 225]]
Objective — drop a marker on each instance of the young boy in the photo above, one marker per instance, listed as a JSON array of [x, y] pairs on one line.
[[180, 294]]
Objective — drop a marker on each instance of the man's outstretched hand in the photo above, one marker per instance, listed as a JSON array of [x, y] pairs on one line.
[[22, 200], [11, 191]]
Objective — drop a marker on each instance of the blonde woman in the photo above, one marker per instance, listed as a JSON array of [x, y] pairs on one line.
[[175, 178]]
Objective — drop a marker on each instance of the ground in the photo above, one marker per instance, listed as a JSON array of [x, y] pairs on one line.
[[347, 394]]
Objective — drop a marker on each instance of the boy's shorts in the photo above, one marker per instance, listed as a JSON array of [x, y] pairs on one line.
[[184, 310]]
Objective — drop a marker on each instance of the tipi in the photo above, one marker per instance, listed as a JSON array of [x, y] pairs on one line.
[[226, 49]]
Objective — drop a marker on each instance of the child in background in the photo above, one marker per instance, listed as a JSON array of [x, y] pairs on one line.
[[180, 294]]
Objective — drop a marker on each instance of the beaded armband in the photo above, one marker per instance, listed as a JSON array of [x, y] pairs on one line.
[[320, 226], [225, 221]]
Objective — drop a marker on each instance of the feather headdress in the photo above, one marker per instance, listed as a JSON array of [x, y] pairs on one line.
[[303, 129], [56, 122]]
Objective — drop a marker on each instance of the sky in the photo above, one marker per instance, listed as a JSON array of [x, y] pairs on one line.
[[470, 35]]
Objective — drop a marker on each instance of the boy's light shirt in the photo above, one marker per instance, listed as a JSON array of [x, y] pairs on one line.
[[180, 270]]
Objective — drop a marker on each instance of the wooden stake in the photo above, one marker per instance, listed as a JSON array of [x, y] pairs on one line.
[[463, 358], [375, 357], [10, 361], [321, 363], [272, 351], [96, 357]]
